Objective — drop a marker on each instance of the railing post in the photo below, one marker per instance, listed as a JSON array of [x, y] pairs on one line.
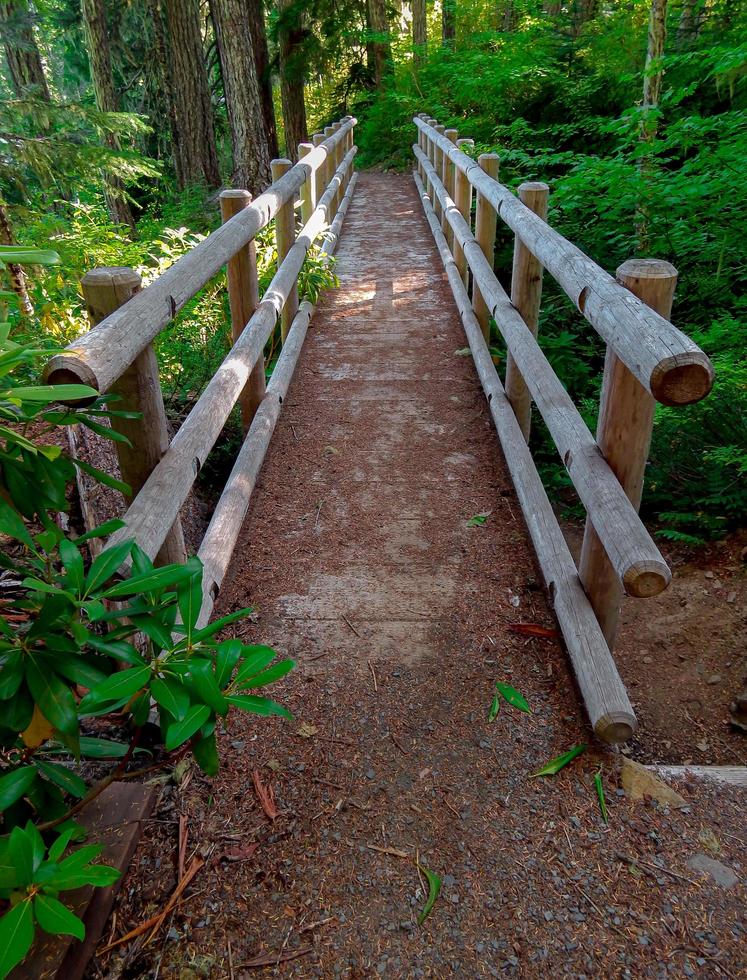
[[485, 225], [328, 164], [447, 179], [308, 197], [526, 294], [430, 149], [285, 236], [139, 390], [438, 165], [318, 177], [463, 201], [243, 299], [626, 418], [336, 160]]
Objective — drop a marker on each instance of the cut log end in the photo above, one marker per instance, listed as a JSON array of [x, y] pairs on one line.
[[616, 727], [69, 369], [682, 379], [646, 578]]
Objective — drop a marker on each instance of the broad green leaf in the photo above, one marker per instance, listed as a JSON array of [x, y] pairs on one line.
[[600, 795], [21, 853], [54, 393], [434, 890], [57, 849], [206, 753], [61, 776], [477, 520], [256, 658], [171, 695], [184, 729], [56, 918], [229, 652], [559, 762], [513, 697], [14, 784], [268, 676], [212, 628], [155, 581], [258, 706], [11, 675], [53, 696], [95, 748], [189, 595], [495, 707], [103, 530], [202, 682], [72, 561], [12, 524], [118, 649], [107, 563], [16, 936], [28, 255], [121, 684]]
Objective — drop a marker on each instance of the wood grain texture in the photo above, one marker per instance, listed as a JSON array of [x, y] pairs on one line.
[[603, 692], [463, 200], [285, 236], [486, 221], [665, 361]]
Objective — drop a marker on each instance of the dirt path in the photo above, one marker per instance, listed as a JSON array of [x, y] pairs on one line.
[[360, 562]]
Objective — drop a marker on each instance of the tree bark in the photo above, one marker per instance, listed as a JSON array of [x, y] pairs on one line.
[[251, 156], [194, 110], [164, 80], [15, 271], [290, 37], [381, 48], [258, 29], [448, 23], [21, 50], [99, 59], [419, 31], [652, 82]]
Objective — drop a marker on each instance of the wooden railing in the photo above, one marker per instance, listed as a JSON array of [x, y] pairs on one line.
[[117, 354], [647, 360]]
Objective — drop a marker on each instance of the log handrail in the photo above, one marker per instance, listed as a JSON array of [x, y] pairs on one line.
[[664, 360], [101, 356]]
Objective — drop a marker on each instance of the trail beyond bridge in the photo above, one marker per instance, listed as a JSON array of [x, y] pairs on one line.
[[385, 520]]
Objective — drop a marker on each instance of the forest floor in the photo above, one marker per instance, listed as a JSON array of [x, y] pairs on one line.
[[360, 562]]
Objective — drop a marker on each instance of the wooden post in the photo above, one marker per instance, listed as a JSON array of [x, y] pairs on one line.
[[328, 167], [463, 200], [447, 178], [626, 418], [139, 390], [485, 224], [317, 139], [526, 294], [430, 149], [335, 161], [308, 188], [243, 298], [285, 236], [438, 166]]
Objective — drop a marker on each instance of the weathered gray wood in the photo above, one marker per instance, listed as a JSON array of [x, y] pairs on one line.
[[139, 390], [308, 197], [228, 517], [665, 361], [633, 554], [100, 356], [730, 775], [447, 179], [624, 427], [285, 236], [166, 490], [463, 200], [243, 298], [438, 162], [486, 220], [603, 692], [526, 295]]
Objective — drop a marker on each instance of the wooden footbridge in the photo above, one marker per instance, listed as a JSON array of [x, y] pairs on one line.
[[380, 375]]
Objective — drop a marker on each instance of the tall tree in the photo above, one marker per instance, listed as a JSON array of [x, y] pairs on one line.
[[653, 77], [258, 29], [291, 35], [99, 59], [251, 156], [15, 272], [198, 157], [419, 30], [380, 45], [164, 82], [25, 65], [448, 23]]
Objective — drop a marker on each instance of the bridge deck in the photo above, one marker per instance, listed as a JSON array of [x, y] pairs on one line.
[[358, 558]]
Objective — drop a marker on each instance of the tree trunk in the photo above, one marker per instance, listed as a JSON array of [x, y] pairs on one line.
[[251, 156], [189, 81], [290, 37], [255, 13], [25, 65], [99, 59], [652, 82], [15, 272], [164, 80], [380, 45], [419, 31], [448, 23], [690, 22], [583, 11]]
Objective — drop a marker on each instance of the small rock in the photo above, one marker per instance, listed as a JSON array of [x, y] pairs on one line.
[[638, 781], [722, 874], [732, 597], [709, 575], [714, 679], [648, 660], [702, 746]]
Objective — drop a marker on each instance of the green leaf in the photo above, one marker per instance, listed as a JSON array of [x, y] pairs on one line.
[[202, 682], [107, 563], [477, 520], [155, 581], [212, 628], [56, 918], [600, 795], [54, 393], [495, 707], [559, 762], [103, 530], [61, 776], [14, 784], [268, 676], [11, 675], [513, 697], [53, 696], [118, 649], [206, 753], [171, 695], [28, 255], [189, 595], [259, 657], [121, 685], [16, 936], [184, 729], [21, 853], [72, 561], [96, 748], [229, 652], [258, 706], [434, 890], [57, 849], [12, 524]]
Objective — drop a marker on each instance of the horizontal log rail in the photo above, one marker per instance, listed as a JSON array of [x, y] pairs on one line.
[[664, 360], [102, 355], [648, 360]]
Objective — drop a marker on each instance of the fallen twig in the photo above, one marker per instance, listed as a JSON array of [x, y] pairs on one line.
[[271, 959], [373, 674], [265, 795], [652, 869], [350, 625]]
